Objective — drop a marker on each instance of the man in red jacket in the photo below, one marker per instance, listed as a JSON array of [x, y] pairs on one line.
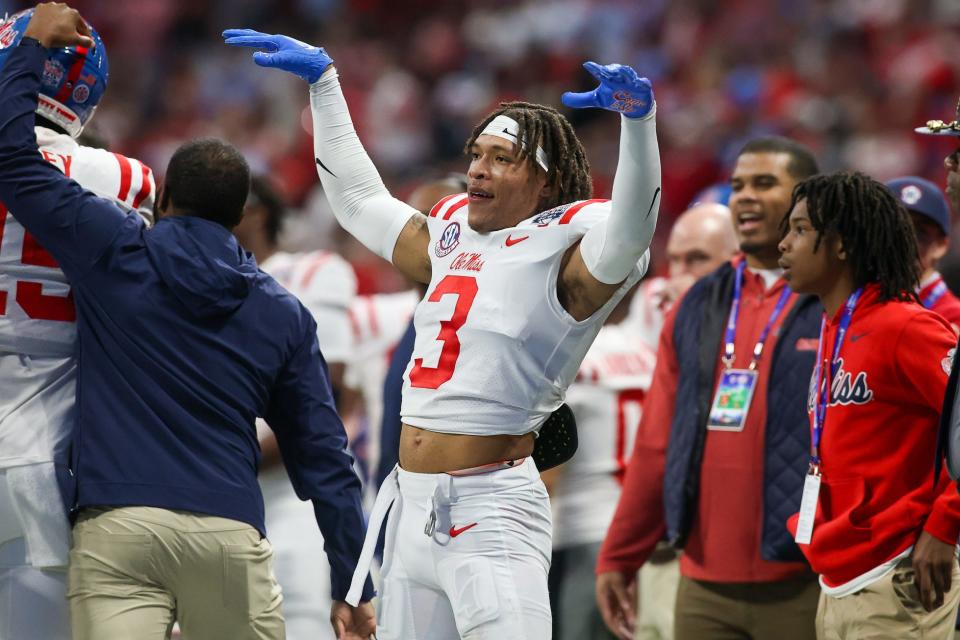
[[881, 534], [930, 215], [741, 573]]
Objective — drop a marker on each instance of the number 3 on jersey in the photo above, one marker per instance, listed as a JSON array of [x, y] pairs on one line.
[[29, 295], [465, 288]]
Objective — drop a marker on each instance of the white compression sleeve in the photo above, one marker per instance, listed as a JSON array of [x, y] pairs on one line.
[[359, 199], [612, 248]]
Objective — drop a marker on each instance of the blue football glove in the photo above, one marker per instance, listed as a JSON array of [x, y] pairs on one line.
[[282, 52], [620, 90]]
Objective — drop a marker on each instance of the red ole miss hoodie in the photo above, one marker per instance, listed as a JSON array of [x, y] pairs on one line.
[[879, 440]]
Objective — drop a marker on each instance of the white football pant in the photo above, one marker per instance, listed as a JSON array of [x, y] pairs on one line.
[[483, 571]]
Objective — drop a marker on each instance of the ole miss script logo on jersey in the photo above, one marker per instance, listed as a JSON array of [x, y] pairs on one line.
[[846, 389], [449, 240]]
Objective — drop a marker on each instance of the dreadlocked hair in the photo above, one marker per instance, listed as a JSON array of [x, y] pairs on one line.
[[568, 175], [873, 226]]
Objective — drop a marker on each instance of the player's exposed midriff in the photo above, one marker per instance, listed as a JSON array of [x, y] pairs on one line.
[[423, 451]]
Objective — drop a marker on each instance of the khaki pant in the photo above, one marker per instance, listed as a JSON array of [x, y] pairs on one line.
[[783, 610], [888, 609], [134, 570]]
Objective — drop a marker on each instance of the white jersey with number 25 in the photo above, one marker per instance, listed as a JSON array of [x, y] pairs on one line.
[[495, 349], [38, 329], [37, 315]]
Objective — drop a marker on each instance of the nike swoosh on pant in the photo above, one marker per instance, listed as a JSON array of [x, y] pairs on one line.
[[454, 532]]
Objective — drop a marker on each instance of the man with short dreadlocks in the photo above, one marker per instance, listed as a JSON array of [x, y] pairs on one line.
[[874, 522], [522, 270]]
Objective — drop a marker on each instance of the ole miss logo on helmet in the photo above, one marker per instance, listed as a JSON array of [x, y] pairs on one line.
[[52, 73], [7, 34], [448, 240]]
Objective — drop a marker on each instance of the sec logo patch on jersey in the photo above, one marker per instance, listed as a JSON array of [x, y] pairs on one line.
[[449, 240]]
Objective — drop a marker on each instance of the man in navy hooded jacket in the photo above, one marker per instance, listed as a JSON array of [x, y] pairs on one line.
[[183, 342]]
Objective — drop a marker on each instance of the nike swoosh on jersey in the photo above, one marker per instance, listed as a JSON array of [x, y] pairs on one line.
[[512, 241], [454, 532]]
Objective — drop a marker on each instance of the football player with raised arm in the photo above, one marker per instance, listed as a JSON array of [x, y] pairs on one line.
[[38, 335], [522, 271]]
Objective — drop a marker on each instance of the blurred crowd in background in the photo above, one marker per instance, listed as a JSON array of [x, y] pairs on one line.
[[849, 78]]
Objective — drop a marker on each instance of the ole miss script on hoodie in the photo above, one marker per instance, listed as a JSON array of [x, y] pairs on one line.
[[879, 438]]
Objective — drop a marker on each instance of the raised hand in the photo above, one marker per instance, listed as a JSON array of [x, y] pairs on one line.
[[56, 25], [620, 90], [282, 52]]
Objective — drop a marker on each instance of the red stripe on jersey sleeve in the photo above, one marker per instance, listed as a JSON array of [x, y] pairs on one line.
[[575, 209], [455, 208], [443, 201], [372, 317], [354, 324], [72, 75], [126, 175], [144, 185], [311, 271]]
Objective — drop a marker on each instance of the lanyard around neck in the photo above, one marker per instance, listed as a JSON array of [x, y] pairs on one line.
[[824, 381], [937, 292], [729, 346]]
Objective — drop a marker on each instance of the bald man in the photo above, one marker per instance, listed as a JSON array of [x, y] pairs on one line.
[[701, 239]]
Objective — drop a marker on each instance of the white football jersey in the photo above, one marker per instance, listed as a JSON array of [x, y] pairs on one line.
[[607, 400], [379, 322], [37, 314], [326, 285], [648, 310], [495, 350]]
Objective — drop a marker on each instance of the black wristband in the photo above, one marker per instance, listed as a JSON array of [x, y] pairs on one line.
[[30, 42]]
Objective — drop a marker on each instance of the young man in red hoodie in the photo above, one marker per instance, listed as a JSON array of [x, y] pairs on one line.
[[873, 523]]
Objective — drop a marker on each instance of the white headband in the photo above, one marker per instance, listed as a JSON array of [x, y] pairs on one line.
[[507, 128]]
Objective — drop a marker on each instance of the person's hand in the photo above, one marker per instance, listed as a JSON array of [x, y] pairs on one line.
[[617, 599], [353, 623], [56, 25], [282, 52], [933, 563], [620, 90]]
